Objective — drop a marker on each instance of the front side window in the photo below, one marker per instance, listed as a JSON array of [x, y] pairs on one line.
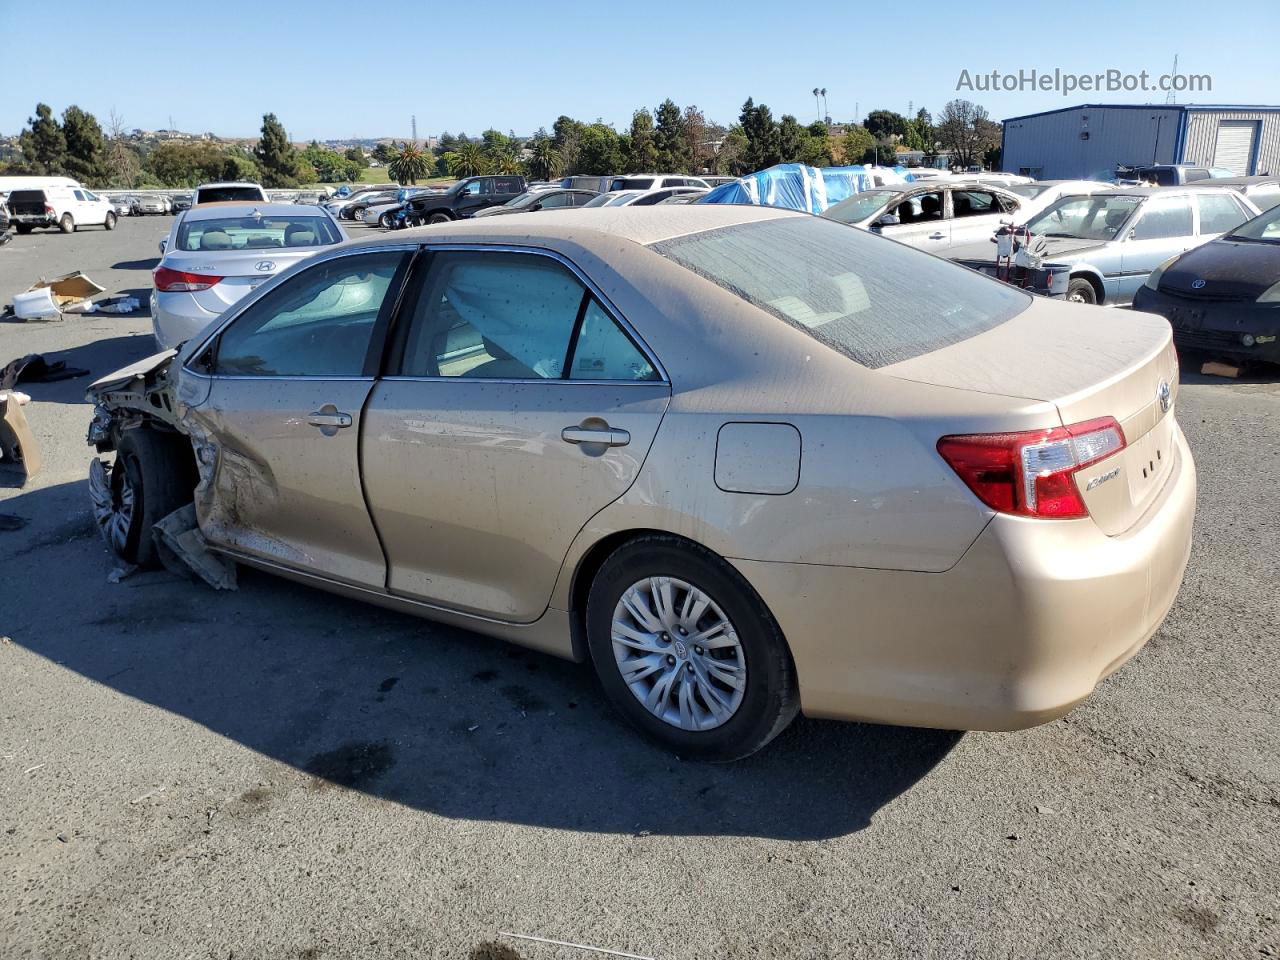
[[1219, 213], [555, 200], [920, 208], [319, 323], [877, 303], [1163, 219], [253, 233]]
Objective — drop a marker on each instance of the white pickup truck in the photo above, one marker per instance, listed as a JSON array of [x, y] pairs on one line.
[[55, 202]]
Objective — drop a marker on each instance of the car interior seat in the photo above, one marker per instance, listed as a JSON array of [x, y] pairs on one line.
[[930, 207], [215, 240]]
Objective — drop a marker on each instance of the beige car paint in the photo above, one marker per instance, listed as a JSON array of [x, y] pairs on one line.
[[902, 597]]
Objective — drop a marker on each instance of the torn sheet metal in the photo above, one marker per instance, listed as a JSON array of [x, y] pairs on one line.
[[183, 550], [18, 447]]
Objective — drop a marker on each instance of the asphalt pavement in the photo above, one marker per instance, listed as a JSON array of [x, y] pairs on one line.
[[280, 773]]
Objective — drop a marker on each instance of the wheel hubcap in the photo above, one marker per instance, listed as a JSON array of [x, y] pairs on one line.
[[678, 653], [113, 506]]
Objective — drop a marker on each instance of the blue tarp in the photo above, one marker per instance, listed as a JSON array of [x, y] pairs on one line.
[[800, 187]]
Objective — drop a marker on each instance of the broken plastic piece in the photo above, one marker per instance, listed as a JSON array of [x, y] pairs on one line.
[[17, 445], [183, 550]]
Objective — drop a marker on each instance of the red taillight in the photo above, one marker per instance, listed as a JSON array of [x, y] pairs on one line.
[[179, 281], [48, 209], [1031, 474]]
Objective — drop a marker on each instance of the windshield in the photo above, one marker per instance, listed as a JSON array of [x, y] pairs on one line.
[[1028, 190], [873, 301], [1264, 227], [1097, 217], [229, 194], [860, 206], [254, 233], [524, 199]]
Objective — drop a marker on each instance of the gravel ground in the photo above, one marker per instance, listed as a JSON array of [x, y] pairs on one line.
[[279, 773]]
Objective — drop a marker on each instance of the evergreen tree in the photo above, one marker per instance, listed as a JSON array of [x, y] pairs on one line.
[[642, 154], [44, 144], [791, 138], [669, 138], [276, 155]]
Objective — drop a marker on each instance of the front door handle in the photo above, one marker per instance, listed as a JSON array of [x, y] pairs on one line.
[[936, 236], [608, 436], [329, 418]]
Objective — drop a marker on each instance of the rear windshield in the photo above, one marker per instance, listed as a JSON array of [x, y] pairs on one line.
[[876, 301], [252, 233], [229, 194], [632, 183], [1029, 190]]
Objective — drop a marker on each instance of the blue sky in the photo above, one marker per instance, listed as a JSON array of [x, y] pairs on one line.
[[220, 66]]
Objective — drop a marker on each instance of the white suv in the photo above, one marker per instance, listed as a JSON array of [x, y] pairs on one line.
[[655, 181], [56, 202], [228, 193]]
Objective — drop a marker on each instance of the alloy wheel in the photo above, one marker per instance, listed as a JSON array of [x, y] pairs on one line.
[[678, 653]]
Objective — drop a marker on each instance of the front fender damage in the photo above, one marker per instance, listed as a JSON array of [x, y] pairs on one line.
[[146, 396]]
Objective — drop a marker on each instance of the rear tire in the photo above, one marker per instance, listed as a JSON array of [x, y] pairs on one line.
[[67, 224], [748, 648], [23, 228], [1080, 290], [439, 217], [384, 221], [110, 222], [151, 478]]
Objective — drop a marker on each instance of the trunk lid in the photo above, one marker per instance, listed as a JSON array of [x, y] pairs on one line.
[[1089, 362], [241, 271]]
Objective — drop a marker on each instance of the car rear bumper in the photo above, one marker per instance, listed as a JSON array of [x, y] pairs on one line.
[[1018, 632], [176, 317], [1217, 326]]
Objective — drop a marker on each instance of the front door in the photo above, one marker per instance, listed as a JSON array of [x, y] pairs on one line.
[[921, 222], [287, 383], [519, 408], [1164, 228], [975, 215]]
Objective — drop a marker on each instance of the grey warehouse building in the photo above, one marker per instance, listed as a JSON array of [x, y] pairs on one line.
[[1090, 141]]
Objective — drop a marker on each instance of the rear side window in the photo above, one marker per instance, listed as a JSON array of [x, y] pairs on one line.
[[1164, 219], [1218, 214], [874, 301]]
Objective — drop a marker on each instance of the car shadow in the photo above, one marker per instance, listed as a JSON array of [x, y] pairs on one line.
[[98, 358], [1249, 371], [444, 720], [149, 264]]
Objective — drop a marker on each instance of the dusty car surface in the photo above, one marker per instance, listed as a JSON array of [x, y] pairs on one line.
[[745, 461]]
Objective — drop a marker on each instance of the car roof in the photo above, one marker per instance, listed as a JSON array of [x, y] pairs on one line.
[[588, 227], [1142, 191], [229, 183], [228, 208], [1238, 181]]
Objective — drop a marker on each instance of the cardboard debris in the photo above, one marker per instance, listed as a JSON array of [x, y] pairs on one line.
[[46, 299], [1215, 369], [17, 445]]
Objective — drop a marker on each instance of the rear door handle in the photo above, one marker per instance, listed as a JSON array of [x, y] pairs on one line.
[[327, 419], [609, 436], [936, 236]]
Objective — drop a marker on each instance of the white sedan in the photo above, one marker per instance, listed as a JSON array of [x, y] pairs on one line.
[[214, 255]]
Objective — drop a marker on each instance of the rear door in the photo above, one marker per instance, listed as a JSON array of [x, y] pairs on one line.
[[975, 215], [285, 384], [518, 406]]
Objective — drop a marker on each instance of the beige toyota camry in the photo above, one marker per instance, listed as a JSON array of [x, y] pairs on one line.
[[746, 462]]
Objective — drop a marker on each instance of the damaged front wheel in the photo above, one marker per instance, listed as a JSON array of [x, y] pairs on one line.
[[150, 479]]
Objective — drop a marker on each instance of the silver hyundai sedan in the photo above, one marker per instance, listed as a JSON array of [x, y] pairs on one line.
[[216, 253], [745, 461]]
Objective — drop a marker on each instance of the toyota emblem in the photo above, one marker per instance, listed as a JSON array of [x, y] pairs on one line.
[[1165, 396], [265, 266], [1197, 284]]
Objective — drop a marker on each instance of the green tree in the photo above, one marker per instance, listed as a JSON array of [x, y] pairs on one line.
[[966, 130], [697, 149], [356, 157], [883, 124], [240, 165], [566, 134], [410, 165], [669, 138], [43, 144], [856, 143], [384, 153], [791, 138], [599, 151], [544, 160], [762, 136], [642, 154], [276, 155], [468, 160], [86, 158]]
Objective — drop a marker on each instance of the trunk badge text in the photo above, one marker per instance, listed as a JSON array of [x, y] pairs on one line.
[[1102, 478]]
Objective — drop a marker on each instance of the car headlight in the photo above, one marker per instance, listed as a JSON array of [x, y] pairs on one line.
[[1271, 294], [1153, 281]]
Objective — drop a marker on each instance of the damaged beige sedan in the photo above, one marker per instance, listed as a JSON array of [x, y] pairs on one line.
[[747, 462]]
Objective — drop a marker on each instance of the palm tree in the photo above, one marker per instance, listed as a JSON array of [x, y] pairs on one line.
[[826, 111], [545, 161], [505, 159], [468, 160], [409, 165], [817, 109]]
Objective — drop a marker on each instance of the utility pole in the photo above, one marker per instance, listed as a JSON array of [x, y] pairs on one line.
[[1170, 97], [414, 123]]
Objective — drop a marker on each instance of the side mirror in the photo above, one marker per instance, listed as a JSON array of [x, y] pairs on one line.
[[536, 206], [888, 220]]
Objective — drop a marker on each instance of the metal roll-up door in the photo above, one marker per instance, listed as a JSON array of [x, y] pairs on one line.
[[1234, 147]]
